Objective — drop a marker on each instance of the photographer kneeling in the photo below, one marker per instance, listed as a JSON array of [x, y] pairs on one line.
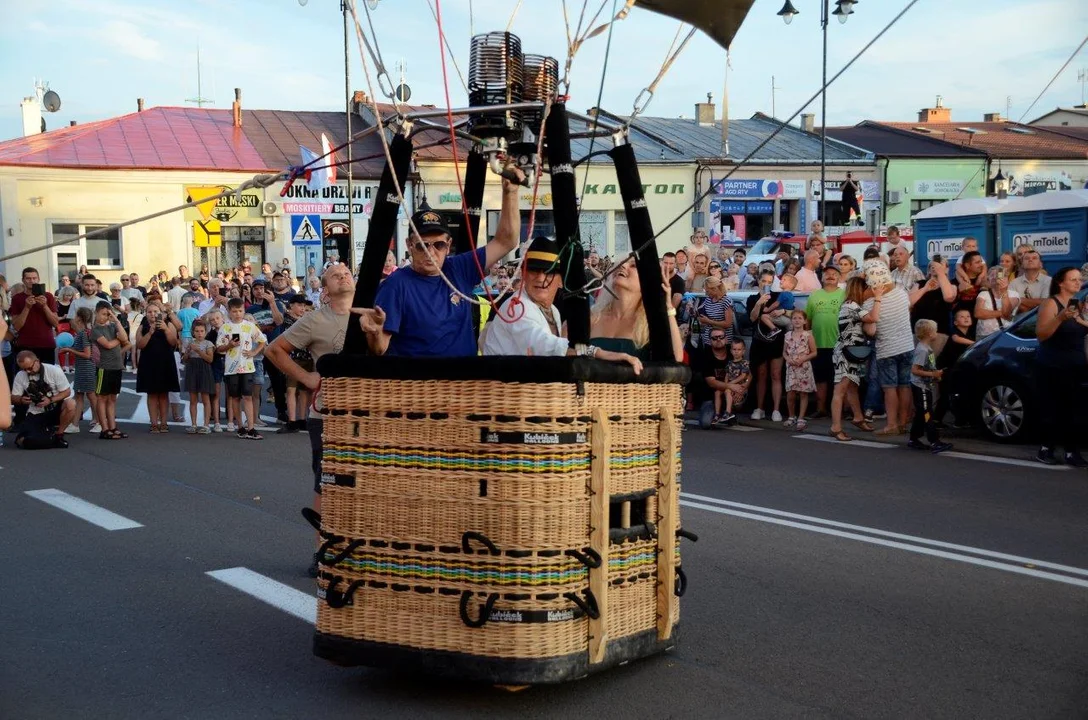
[[45, 391]]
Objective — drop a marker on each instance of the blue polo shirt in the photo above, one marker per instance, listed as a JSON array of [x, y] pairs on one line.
[[426, 318]]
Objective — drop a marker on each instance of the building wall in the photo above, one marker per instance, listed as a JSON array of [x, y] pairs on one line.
[[1063, 117], [930, 180], [669, 194], [1031, 176]]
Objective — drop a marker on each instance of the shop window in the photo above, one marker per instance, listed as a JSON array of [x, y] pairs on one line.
[[103, 251], [623, 237], [593, 229], [917, 206]]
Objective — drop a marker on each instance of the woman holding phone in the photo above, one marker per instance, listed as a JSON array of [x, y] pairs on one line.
[[157, 374], [1062, 367]]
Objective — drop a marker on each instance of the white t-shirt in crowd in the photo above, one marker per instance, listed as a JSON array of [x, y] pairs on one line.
[[894, 335], [992, 325], [53, 377]]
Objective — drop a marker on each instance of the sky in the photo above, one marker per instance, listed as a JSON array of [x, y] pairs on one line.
[[979, 55]]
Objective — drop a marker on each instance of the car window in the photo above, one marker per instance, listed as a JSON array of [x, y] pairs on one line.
[[766, 246], [1025, 329]]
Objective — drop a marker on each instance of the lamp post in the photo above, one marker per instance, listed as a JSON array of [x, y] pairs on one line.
[[843, 10], [1001, 185]]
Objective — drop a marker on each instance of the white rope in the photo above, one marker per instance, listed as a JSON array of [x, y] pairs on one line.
[[513, 15]]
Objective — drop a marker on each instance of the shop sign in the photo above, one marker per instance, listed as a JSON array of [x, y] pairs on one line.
[[223, 209], [870, 190], [762, 189], [1051, 243], [647, 189], [331, 229], [1035, 183], [734, 207], [938, 188]]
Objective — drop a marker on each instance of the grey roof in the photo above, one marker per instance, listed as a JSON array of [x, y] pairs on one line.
[[685, 140]]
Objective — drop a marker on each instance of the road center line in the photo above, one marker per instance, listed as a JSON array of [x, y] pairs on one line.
[[888, 534], [267, 590], [897, 545], [84, 510]]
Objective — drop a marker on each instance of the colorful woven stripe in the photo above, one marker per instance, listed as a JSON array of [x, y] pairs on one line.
[[420, 458], [424, 568]]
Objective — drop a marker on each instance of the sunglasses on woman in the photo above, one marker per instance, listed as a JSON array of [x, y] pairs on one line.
[[439, 245]]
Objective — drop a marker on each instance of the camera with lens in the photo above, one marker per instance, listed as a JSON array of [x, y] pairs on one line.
[[38, 390]]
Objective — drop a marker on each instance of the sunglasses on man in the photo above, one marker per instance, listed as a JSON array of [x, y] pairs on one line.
[[439, 245]]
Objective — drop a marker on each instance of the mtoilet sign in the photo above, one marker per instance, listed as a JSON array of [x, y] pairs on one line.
[[1046, 243], [948, 247]]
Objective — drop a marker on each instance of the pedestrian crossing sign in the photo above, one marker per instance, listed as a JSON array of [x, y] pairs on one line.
[[305, 229]]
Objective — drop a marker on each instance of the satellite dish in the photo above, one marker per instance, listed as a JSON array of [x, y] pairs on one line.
[[403, 93], [43, 124], [51, 101], [373, 4], [303, 2]]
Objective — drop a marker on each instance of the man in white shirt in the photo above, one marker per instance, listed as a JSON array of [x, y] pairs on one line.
[[531, 325], [1032, 285], [894, 242], [905, 274], [217, 298], [175, 293], [44, 390]]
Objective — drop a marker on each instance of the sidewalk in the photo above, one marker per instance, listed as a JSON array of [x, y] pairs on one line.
[[966, 440]]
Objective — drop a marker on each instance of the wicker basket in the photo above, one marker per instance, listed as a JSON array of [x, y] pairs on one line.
[[513, 522]]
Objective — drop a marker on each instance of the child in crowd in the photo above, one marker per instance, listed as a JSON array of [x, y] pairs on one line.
[[298, 396], [258, 381], [923, 374], [199, 378], [83, 384], [214, 319], [187, 315], [799, 351], [239, 340], [110, 337], [738, 376]]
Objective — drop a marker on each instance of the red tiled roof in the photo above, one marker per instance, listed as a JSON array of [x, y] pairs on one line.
[[1003, 139], [162, 138]]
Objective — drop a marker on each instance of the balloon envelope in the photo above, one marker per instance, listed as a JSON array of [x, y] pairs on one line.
[[720, 19]]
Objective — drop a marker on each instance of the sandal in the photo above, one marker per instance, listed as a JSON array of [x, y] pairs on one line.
[[154, 429], [887, 431], [802, 424], [839, 435], [116, 434], [862, 425]]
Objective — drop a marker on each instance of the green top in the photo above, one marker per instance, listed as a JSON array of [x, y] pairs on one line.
[[822, 310], [621, 345]]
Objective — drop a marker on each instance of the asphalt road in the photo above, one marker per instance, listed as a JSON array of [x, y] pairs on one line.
[[951, 587]]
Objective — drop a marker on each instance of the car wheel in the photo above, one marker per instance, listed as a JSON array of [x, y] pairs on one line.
[[1003, 411]]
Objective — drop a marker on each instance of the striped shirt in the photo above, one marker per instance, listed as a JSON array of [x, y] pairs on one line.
[[908, 278], [715, 310], [893, 330]]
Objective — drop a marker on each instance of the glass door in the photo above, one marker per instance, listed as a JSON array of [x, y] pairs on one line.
[[66, 261]]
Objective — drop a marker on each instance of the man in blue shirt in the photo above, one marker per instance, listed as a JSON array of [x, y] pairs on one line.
[[415, 312]]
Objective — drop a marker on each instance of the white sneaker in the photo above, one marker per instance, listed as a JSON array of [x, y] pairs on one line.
[[95, 428], [72, 429], [757, 414], [217, 428], [776, 416], [231, 427]]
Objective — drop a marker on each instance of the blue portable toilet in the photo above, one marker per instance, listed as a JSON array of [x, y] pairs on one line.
[[940, 230], [1054, 223]]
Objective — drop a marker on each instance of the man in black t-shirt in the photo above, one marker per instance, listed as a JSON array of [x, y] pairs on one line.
[[709, 363], [850, 189], [934, 299], [676, 283]]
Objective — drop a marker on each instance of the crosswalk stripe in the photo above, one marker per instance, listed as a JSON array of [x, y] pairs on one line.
[[267, 590], [84, 510], [852, 443]]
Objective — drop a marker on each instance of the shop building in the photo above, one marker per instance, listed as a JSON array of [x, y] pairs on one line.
[[1031, 158], [67, 181], [917, 171], [778, 188]]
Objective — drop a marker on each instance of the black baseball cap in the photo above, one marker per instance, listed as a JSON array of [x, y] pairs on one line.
[[543, 256], [299, 299], [428, 222]]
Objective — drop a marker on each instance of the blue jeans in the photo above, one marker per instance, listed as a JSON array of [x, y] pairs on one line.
[[874, 396]]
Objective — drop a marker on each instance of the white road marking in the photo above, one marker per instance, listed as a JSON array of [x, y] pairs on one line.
[[921, 550], [853, 443], [1034, 465], [84, 510], [141, 416], [267, 590]]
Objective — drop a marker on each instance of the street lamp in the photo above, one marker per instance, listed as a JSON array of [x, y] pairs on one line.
[[843, 10], [1001, 185]]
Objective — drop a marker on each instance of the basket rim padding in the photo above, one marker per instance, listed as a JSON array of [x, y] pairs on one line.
[[507, 369]]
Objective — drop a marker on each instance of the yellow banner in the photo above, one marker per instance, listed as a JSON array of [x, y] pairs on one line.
[[207, 233]]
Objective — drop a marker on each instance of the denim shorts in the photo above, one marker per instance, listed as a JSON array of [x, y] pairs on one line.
[[894, 371]]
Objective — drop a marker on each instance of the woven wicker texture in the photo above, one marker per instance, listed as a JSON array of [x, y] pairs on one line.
[[411, 467]]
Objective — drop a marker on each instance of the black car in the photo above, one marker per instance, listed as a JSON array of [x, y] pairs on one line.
[[994, 383]]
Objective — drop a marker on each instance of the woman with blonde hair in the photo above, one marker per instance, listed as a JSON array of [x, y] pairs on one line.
[[618, 321]]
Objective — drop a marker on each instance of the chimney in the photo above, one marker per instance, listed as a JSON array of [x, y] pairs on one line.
[[936, 114], [71, 123], [32, 116], [808, 122], [358, 100], [236, 107], [992, 117], [704, 112], [139, 104]]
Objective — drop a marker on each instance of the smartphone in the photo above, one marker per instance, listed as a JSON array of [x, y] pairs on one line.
[[1001, 273], [236, 337], [222, 292], [37, 289], [764, 289], [1074, 305]]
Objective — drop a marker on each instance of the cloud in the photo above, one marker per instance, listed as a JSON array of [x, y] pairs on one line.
[[127, 39]]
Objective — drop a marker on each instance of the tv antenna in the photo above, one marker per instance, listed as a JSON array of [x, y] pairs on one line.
[[200, 101], [773, 89], [1082, 78]]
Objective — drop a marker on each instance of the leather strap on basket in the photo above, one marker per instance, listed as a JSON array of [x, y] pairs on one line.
[[313, 517], [588, 557], [484, 540], [681, 582], [336, 599], [485, 612], [588, 606], [340, 555], [687, 534]]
